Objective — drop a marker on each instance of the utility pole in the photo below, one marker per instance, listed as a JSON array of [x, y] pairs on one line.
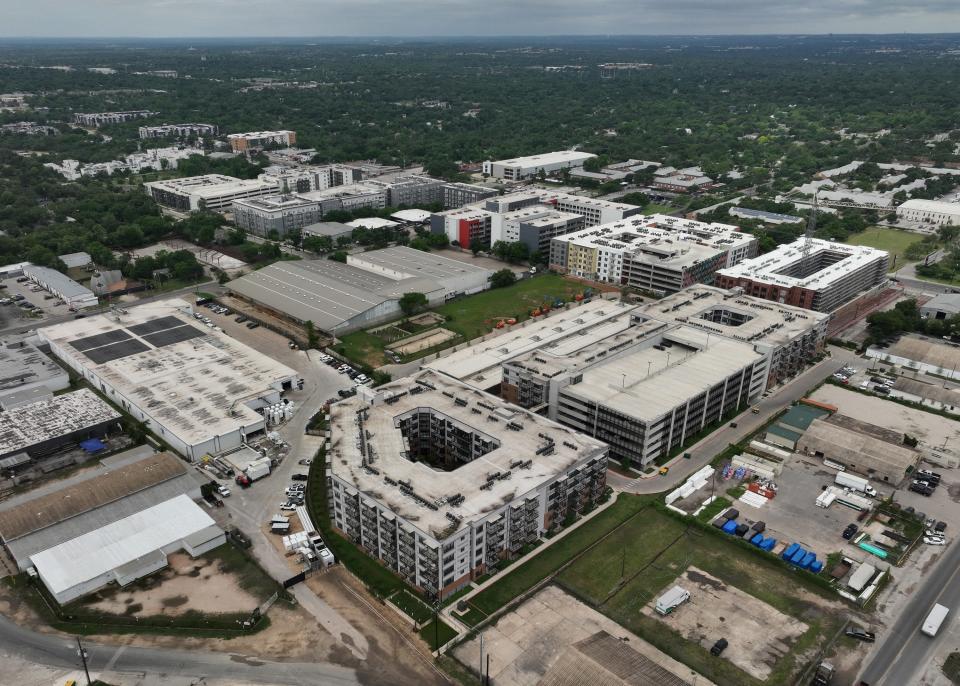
[[481, 659], [83, 656]]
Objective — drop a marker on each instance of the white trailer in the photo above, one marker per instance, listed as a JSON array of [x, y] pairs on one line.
[[857, 483], [670, 600], [934, 620], [258, 469]]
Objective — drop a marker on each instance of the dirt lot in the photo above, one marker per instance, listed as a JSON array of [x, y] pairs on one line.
[[525, 643], [187, 584], [759, 635], [422, 341]]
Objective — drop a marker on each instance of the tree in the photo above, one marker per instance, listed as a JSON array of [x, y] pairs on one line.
[[502, 278], [477, 246], [312, 338], [411, 303], [338, 256]]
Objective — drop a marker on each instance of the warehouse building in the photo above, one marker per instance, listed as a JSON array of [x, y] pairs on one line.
[[121, 485], [439, 481], [644, 392], [789, 337], [460, 194], [528, 167], [455, 277], [331, 230], [655, 253], [823, 278], [283, 214], [126, 550], [242, 142], [214, 192], [936, 212], [788, 429], [24, 368], [197, 390], [763, 216], [43, 427], [178, 131], [101, 118], [875, 452], [942, 306], [62, 286]]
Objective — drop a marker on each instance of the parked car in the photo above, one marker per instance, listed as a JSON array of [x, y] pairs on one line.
[[719, 647], [922, 488], [928, 476], [934, 540], [288, 506], [223, 491], [850, 531], [306, 461], [240, 320], [299, 477], [252, 325], [861, 634]]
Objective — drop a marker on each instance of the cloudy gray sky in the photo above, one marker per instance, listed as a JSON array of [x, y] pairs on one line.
[[162, 18]]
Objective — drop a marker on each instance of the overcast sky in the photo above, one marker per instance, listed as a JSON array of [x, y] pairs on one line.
[[171, 18]]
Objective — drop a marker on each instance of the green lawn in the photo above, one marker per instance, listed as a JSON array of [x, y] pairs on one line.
[[436, 636], [412, 606], [474, 315], [655, 208], [654, 549], [893, 241]]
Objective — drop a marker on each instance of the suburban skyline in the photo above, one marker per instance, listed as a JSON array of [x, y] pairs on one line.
[[422, 18]]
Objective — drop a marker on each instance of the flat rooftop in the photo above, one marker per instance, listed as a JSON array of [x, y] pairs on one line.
[[25, 426], [844, 259], [577, 327], [210, 185], [558, 157], [102, 488], [734, 315], [57, 281], [275, 202], [669, 234], [415, 263], [258, 134], [466, 406], [21, 364], [193, 380], [927, 350], [325, 292], [648, 383]]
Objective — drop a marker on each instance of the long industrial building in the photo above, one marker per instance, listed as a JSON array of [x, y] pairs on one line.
[[61, 285], [199, 391], [24, 368], [339, 298], [440, 481], [214, 192], [821, 275], [528, 167], [655, 253]]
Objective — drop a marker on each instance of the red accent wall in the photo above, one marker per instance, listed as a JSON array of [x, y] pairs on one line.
[[464, 233]]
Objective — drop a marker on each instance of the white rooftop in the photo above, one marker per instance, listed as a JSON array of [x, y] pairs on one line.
[[210, 185], [438, 393], [93, 554], [27, 425], [936, 206], [767, 267], [412, 216], [372, 223], [558, 157]]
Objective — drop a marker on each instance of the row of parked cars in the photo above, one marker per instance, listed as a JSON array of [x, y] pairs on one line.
[[925, 482], [358, 377]]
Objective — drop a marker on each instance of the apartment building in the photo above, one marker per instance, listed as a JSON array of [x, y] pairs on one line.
[[459, 194], [656, 253], [439, 481], [410, 191], [593, 210], [534, 226], [464, 225], [178, 131], [520, 168], [101, 118], [349, 197], [214, 192], [282, 214], [821, 276], [242, 142]]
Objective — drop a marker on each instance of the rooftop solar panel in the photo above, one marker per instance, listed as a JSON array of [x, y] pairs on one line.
[[154, 325], [108, 353], [96, 341], [171, 336]]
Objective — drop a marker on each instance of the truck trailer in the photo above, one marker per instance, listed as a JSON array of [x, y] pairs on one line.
[[670, 600], [857, 483], [934, 620], [258, 469]]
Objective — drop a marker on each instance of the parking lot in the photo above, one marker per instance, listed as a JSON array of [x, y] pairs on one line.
[[44, 304]]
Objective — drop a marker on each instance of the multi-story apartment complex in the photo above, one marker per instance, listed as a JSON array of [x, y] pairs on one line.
[[528, 167], [464, 225], [178, 130], [280, 213], [593, 210], [409, 191], [351, 196], [101, 118], [242, 142], [819, 275], [214, 192], [644, 391], [439, 481], [656, 253], [460, 194], [534, 226], [152, 159]]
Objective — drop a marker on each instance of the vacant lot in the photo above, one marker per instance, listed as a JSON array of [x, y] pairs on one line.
[[893, 241]]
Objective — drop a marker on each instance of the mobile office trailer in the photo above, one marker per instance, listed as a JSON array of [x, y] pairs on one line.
[[671, 600], [934, 620]]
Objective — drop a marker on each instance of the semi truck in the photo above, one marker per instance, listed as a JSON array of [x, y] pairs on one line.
[[258, 469], [670, 600], [934, 620], [856, 483]]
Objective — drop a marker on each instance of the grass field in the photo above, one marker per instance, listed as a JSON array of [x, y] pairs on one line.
[[412, 606], [472, 316], [654, 208], [893, 241], [653, 549], [437, 636]]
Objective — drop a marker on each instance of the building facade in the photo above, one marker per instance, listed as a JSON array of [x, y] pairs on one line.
[[459, 194], [242, 142], [528, 167], [281, 214], [930, 212], [101, 118], [214, 192], [178, 131]]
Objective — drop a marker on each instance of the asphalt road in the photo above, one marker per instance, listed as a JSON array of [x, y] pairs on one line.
[[57, 651], [747, 423], [905, 652]]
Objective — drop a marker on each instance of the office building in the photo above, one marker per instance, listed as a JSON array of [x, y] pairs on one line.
[[281, 214], [197, 390], [178, 131], [656, 253], [528, 167], [439, 481], [821, 275], [101, 118], [934, 212], [214, 192], [242, 142]]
